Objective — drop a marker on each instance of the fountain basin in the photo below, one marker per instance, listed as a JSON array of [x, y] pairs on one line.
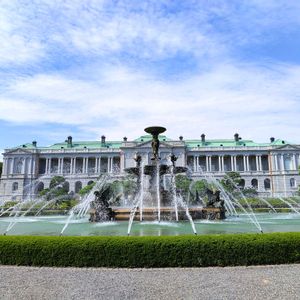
[[151, 169], [52, 226], [168, 213]]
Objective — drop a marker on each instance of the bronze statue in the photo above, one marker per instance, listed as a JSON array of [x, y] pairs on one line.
[[155, 131], [138, 159], [214, 199], [155, 147], [173, 159]]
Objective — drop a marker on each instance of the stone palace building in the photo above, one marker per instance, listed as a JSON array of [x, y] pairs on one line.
[[271, 168]]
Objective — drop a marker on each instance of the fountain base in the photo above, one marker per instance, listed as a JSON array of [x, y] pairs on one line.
[[168, 213]]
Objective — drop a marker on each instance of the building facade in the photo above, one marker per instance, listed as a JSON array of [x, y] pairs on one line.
[[271, 168]]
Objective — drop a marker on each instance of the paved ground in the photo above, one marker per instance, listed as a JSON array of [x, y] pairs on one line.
[[262, 282]]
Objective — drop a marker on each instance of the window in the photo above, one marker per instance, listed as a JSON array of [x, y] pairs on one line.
[[267, 184], [254, 183], [40, 186], [242, 183], [15, 186], [78, 186], [292, 182]]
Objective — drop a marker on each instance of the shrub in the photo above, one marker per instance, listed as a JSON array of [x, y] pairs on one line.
[[164, 251]]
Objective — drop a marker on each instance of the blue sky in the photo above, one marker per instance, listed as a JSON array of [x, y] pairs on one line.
[[87, 68]]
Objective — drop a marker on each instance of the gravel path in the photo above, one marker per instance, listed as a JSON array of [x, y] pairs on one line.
[[261, 282]]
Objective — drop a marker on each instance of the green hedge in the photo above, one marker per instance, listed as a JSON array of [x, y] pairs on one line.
[[166, 251]]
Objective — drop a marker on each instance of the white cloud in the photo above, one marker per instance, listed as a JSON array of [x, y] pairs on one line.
[[103, 95], [224, 100]]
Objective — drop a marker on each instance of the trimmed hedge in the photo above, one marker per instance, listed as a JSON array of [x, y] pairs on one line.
[[149, 252]]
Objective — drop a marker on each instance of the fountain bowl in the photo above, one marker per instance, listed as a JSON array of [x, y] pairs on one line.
[[150, 169], [155, 130]]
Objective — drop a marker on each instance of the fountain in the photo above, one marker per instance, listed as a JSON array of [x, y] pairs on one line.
[[158, 203]]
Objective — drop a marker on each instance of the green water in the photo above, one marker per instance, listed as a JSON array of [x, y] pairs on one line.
[[52, 225]]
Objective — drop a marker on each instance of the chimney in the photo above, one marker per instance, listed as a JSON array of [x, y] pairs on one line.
[[181, 138], [69, 141], [125, 139], [272, 139], [34, 143], [236, 137], [103, 140], [203, 138]]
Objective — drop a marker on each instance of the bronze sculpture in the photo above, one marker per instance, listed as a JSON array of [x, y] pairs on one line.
[[155, 131]]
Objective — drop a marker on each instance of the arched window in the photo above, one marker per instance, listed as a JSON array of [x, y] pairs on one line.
[[40, 186], [267, 184], [292, 182], [66, 186], [254, 183], [242, 183], [78, 186], [15, 186]]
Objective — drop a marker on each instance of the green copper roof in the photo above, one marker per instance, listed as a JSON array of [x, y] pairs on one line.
[[88, 144], [146, 138], [231, 143]]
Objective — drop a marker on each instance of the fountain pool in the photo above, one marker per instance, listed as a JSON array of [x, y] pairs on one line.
[[52, 226]]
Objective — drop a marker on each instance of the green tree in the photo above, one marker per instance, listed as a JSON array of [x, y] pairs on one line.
[[86, 189], [232, 183], [183, 184], [58, 188]]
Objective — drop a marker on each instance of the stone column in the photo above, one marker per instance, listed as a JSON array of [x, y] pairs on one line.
[[206, 163], [260, 163], [194, 158], [58, 165], [33, 166], [23, 165], [96, 165], [99, 165], [209, 163], [47, 166], [276, 162], [294, 162], [235, 163], [12, 165], [71, 165], [220, 164], [247, 163], [111, 164], [197, 163], [83, 165], [257, 163], [74, 167], [282, 162], [232, 162], [87, 165], [62, 165], [4, 166]]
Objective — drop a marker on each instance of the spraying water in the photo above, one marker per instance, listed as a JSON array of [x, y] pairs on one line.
[[158, 190], [183, 205], [142, 181], [290, 205]]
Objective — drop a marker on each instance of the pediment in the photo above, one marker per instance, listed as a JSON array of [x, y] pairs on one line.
[[288, 147], [18, 151]]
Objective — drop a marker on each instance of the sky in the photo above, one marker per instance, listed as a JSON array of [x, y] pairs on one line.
[[88, 68]]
